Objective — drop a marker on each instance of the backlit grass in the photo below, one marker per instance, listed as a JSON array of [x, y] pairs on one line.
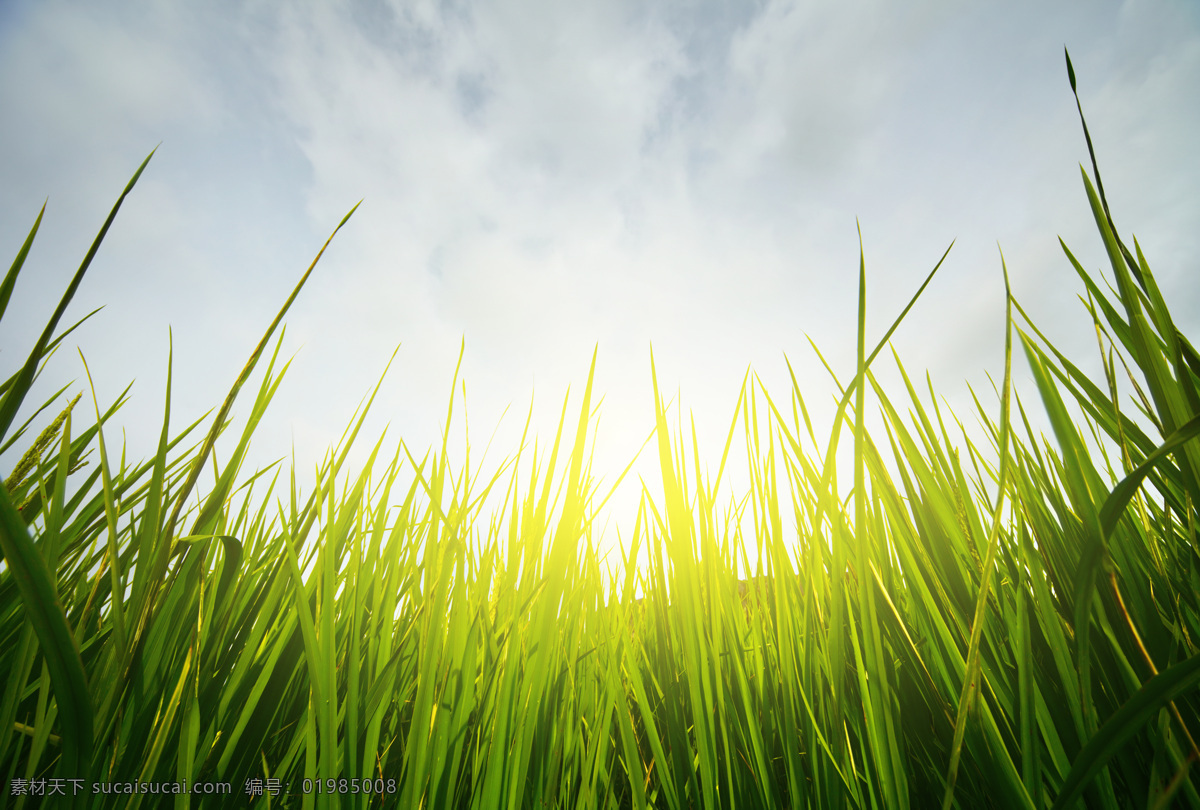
[[1009, 624]]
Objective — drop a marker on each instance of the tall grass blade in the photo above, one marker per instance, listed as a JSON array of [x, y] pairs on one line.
[[44, 610], [16, 394]]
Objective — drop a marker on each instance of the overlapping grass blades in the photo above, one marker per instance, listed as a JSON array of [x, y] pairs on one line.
[[1006, 625]]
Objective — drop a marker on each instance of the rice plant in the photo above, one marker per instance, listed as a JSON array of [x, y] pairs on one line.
[[1010, 623]]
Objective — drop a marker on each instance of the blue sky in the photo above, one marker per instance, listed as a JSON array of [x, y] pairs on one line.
[[542, 178]]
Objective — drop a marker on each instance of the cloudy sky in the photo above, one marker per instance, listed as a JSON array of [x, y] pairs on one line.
[[541, 178]]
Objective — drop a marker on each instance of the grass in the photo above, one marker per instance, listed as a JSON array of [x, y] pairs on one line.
[[1008, 624]]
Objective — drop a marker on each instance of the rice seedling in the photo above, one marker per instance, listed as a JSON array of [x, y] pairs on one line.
[[1011, 623]]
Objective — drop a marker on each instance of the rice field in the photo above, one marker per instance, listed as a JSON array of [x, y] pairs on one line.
[[1011, 623]]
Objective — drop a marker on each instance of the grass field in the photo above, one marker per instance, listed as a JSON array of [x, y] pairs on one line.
[[1009, 624]]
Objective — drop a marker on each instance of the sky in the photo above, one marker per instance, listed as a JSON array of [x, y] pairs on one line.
[[541, 179]]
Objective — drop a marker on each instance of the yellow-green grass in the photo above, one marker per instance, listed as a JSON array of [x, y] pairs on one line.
[[1012, 624]]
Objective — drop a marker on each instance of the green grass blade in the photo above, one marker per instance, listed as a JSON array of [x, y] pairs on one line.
[[1114, 505], [59, 650], [1126, 722], [16, 394], [971, 679], [10, 278]]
